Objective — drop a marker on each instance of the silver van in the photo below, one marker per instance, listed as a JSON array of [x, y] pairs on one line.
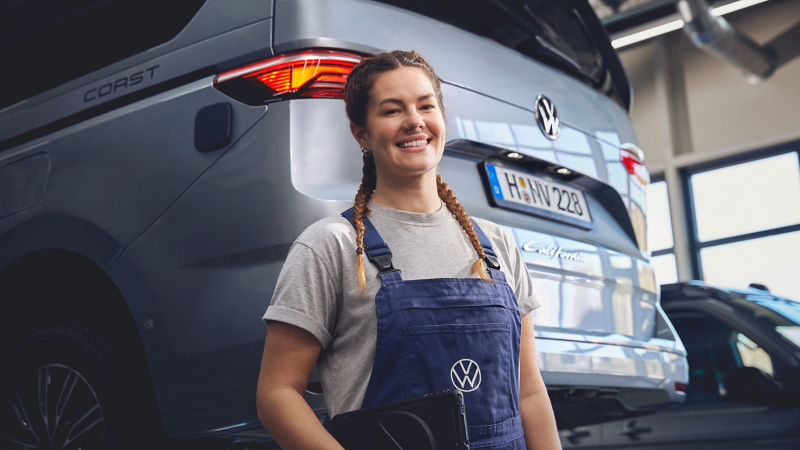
[[157, 162]]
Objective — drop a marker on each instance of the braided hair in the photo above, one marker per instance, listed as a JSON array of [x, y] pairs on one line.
[[356, 96]]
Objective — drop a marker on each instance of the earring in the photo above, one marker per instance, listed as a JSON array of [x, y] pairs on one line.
[[365, 152]]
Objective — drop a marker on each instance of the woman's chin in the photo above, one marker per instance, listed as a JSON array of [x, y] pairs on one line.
[[409, 163], [418, 171], [417, 165]]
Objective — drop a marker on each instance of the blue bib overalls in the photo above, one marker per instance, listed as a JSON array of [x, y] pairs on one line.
[[445, 333]]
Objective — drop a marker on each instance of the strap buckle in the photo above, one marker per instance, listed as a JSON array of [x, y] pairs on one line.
[[491, 261], [383, 261]]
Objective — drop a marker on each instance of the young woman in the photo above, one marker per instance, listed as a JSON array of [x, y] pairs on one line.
[[403, 294]]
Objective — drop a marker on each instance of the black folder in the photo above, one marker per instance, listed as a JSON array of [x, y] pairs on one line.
[[434, 421]]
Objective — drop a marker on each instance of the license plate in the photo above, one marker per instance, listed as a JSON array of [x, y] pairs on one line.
[[536, 195]]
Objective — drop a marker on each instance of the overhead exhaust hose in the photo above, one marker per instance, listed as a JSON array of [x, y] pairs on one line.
[[717, 37]]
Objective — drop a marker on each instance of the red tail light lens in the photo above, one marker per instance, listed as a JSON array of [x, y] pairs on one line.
[[680, 387], [633, 160], [305, 74]]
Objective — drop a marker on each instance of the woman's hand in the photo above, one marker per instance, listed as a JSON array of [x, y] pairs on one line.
[[289, 355], [534, 404]]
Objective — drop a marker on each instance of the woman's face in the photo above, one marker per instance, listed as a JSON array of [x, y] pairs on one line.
[[405, 126]]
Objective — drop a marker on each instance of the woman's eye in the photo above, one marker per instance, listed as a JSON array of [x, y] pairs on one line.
[[390, 111], [428, 107]]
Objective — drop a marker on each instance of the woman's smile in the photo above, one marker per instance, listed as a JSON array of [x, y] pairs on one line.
[[415, 143]]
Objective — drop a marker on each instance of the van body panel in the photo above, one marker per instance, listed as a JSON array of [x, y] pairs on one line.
[[210, 297], [459, 57], [148, 70], [109, 172], [566, 363]]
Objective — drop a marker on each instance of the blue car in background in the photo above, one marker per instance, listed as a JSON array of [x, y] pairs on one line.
[[158, 159], [743, 347]]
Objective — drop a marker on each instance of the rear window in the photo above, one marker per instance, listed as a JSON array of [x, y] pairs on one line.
[[45, 43], [551, 31]]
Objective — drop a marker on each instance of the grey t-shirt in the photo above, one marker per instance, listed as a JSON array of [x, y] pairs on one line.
[[317, 289]]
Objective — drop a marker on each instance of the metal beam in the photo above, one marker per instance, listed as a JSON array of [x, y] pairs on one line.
[[671, 100]]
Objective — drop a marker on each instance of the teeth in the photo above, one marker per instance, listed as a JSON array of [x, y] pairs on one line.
[[413, 143]]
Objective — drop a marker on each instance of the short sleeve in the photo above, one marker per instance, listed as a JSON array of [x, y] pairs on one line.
[[305, 295], [523, 286]]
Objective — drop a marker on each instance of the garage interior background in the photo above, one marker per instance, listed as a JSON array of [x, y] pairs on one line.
[[724, 203]]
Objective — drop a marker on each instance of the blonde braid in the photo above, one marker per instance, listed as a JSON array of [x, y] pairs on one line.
[[361, 210], [457, 210]]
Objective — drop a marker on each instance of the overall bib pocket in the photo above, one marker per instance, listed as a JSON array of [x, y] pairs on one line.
[[475, 358]]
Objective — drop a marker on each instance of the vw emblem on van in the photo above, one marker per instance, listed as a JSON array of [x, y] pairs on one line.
[[546, 116], [465, 373]]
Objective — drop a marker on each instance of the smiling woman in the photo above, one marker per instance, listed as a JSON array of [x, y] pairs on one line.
[[464, 293], [406, 133], [405, 117]]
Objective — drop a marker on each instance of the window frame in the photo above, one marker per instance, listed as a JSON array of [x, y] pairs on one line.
[[657, 178], [664, 251], [695, 245], [731, 317]]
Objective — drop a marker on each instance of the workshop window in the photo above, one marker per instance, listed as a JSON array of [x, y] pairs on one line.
[[659, 233], [747, 223]]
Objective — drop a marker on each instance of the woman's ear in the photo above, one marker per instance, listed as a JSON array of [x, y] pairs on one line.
[[360, 134]]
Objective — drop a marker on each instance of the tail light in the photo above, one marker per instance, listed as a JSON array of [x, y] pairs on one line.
[[304, 74], [632, 158], [680, 387]]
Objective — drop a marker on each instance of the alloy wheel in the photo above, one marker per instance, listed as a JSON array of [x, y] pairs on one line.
[[54, 408]]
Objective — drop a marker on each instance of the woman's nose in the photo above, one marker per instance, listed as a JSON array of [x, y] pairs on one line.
[[414, 122]]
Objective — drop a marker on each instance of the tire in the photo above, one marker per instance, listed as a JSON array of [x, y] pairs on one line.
[[64, 388]]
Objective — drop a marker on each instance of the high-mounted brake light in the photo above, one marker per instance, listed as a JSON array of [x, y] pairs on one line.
[[633, 159], [304, 74]]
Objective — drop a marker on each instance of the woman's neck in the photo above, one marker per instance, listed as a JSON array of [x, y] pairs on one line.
[[418, 195]]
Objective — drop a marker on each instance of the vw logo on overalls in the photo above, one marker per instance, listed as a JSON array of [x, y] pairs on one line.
[[546, 116], [465, 373]]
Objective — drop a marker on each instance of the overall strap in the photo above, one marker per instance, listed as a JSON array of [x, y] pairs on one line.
[[491, 258], [377, 251]]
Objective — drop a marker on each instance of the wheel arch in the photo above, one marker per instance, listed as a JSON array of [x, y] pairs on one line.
[[53, 270], [59, 233]]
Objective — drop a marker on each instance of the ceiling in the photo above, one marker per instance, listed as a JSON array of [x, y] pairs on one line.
[[607, 8]]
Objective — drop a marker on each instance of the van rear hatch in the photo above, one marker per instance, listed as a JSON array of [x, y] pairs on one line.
[[591, 272], [563, 34]]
